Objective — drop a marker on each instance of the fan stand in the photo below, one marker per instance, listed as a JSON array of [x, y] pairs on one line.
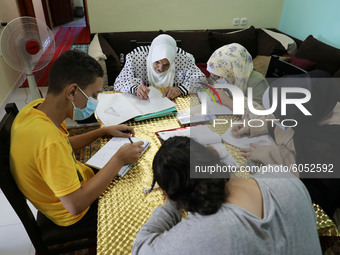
[[32, 47], [35, 92]]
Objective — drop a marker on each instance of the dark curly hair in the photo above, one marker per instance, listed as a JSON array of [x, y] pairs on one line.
[[171, 168], [73, 66]]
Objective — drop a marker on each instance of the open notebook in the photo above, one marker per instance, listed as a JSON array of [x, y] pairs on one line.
[[245, 141], [204, 136], [117, 108], [101, 157]]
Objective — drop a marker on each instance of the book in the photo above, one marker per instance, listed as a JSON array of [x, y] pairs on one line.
[[117, 108], [104, 154], [193, 115], [166, 112], [203, 135]]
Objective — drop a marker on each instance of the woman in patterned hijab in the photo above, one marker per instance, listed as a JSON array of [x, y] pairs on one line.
[[234, 64]]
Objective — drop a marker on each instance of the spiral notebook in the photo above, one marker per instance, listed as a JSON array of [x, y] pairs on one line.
[[101, 157]]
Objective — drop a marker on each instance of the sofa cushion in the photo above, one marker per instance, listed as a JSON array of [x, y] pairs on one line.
[[113, 66], [261, 63], [121, 41], [95, 49], [267, 45], [203, 68], [337, 74], [326, 57], [194, 42], [96, 52], [303, 63], [287, 42], [245, 37]]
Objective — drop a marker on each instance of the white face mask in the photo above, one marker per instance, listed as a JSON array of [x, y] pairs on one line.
[[281, 126], [217, 80]]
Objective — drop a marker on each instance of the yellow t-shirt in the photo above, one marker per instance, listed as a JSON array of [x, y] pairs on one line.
[[43, 163]]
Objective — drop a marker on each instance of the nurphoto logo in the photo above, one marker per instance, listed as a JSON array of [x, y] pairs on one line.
[[239, 102]]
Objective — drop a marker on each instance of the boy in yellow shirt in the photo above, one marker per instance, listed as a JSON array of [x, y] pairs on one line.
[[42, 154]]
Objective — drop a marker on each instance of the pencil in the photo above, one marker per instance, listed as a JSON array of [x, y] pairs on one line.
[[130, 139], [145, 86]]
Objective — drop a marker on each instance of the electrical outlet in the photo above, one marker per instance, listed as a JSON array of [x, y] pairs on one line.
[[236, 21], [244, 21]]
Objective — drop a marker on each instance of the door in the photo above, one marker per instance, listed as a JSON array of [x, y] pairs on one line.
[[61, 11], [26, 8]]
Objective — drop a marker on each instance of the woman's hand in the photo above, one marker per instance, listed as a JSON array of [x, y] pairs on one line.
[[119, 131], [172, 92], [225, 98], [246, 153], [240, 129], [143, 92]]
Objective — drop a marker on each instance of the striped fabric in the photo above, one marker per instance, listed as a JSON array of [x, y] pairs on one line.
[[64, 39]]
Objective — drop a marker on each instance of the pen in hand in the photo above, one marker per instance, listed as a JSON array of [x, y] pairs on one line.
[[128, 132], [145, 86]]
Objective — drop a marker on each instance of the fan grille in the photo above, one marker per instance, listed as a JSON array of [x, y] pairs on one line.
[[27, 44]]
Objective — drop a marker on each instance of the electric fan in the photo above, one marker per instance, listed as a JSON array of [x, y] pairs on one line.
[[27, 45]]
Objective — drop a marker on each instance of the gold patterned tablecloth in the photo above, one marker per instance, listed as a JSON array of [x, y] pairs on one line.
[[124, 207]]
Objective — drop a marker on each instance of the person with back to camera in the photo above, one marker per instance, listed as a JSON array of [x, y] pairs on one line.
[[162, 65], [269, 213], [314, 141], [42, 156]]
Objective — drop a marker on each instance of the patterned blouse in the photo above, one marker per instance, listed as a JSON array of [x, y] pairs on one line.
[[187, 75]]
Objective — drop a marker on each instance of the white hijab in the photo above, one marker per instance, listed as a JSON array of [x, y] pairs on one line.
[[163, 46]]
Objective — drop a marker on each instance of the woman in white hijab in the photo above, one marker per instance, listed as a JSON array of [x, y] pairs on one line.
[[161, 65]]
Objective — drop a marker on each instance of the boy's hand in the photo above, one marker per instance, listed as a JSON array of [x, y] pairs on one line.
[[129, 152], [119, 131]]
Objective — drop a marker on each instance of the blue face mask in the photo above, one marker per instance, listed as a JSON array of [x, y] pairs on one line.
[[82, 114]]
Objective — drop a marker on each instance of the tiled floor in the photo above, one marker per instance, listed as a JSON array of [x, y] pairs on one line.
[[13, 237]]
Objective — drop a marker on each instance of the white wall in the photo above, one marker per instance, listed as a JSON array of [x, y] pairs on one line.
[[141, 15], [138, 15], [8, 76]]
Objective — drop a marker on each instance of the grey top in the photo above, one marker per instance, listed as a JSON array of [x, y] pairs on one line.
[[259, 85], [288, 226]]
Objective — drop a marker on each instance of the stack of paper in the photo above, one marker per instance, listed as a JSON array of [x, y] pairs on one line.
[[117, 108], [193, 115]]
